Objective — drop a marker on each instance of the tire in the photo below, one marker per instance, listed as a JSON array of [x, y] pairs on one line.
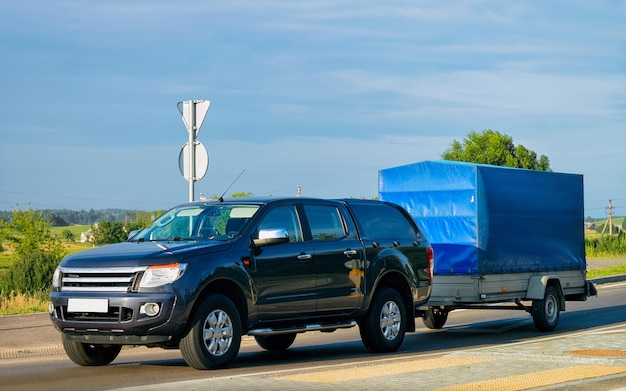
[[215, 335], [89, 355], [275, 343], [382, 329], [546, 312], [435, 318]]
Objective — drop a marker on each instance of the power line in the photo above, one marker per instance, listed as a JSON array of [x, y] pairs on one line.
[[67, 197]]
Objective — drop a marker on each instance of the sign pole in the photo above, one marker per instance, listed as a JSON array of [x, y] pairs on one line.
[[193, 166], [192, 148]]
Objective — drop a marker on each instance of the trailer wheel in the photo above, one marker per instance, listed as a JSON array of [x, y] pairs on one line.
[[382, 329], [546, 311], [435, 318]]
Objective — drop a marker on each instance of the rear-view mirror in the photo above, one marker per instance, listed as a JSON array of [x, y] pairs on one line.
[[271, 236]]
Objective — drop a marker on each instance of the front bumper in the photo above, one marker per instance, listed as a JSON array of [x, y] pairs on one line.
[[125, 321]]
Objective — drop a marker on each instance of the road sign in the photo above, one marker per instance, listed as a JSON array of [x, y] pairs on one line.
[[193, 113], [202, 161]]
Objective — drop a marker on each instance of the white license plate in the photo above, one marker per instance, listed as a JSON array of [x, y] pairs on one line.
[[88, 305]]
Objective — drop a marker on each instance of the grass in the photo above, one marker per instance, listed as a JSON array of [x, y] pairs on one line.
[[76, 230], [23, 304], [607, 271]]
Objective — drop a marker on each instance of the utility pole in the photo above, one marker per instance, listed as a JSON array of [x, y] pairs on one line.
[[609, 221]]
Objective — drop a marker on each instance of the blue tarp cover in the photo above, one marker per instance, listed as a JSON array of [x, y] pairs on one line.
[[483, 219]]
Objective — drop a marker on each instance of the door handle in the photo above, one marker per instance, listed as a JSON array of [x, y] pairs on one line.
[[349, 252], [304, 257]]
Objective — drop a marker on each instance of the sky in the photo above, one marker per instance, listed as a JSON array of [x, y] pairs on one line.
[[317, 94]]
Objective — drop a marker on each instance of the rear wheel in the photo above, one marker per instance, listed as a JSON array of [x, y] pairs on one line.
[[215, 335], [546, 312], [275, 343], [86, 354], [382, 329], [435, 318]]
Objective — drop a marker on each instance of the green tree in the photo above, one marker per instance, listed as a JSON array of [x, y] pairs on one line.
[[68, 235], [29, 231], [241, 194], [107, 232], [36, 252], [493, 147]]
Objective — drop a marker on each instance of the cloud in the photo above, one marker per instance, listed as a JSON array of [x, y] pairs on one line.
[[320, 94]]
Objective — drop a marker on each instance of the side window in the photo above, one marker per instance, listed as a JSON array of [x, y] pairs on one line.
[[283, 217], [381, 221], [325, 222]]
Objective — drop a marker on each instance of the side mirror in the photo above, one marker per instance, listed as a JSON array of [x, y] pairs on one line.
[[268, 237]]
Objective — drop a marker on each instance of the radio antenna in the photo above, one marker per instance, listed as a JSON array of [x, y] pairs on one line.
[[221, 199]]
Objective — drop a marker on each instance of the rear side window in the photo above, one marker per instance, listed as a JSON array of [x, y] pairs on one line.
[[381, 221], [325, 222]]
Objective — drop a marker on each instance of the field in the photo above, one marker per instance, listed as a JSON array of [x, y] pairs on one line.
[[76, 230]]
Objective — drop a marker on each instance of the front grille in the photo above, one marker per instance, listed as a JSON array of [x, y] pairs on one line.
[[116, 279], [115, 314]]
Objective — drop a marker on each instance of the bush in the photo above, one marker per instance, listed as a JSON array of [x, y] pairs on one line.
[[36, 253], [107, 232], [30, 274], [607, 245], [603, 228]]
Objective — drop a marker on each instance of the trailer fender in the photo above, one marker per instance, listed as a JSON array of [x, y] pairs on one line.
[[537, 288]]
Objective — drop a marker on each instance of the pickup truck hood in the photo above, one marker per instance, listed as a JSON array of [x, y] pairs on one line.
[[141, 253]]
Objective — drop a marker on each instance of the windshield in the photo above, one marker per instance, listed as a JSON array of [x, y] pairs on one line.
[[199, 222]]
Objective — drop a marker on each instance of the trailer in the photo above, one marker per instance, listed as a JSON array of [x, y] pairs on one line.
[[503, 238]]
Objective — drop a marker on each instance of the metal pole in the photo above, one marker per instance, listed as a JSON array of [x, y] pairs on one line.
[[192, 149]]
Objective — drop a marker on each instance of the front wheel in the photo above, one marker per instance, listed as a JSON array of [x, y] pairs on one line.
[[215, 335], [87, 354], [382, 329], [546, 312]]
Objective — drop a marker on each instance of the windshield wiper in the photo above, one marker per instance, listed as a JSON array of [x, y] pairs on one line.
[[174, 239]]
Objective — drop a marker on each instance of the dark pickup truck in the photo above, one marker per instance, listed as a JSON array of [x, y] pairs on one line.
[[206, 273]]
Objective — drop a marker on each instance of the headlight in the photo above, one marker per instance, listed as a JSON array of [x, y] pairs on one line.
[[158, 275], [56, 277]]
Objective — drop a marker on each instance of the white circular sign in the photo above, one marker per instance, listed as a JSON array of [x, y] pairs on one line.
[[202, 161]]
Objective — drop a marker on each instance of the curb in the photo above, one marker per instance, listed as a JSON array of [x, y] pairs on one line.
[[608, 280], [32, 352]]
